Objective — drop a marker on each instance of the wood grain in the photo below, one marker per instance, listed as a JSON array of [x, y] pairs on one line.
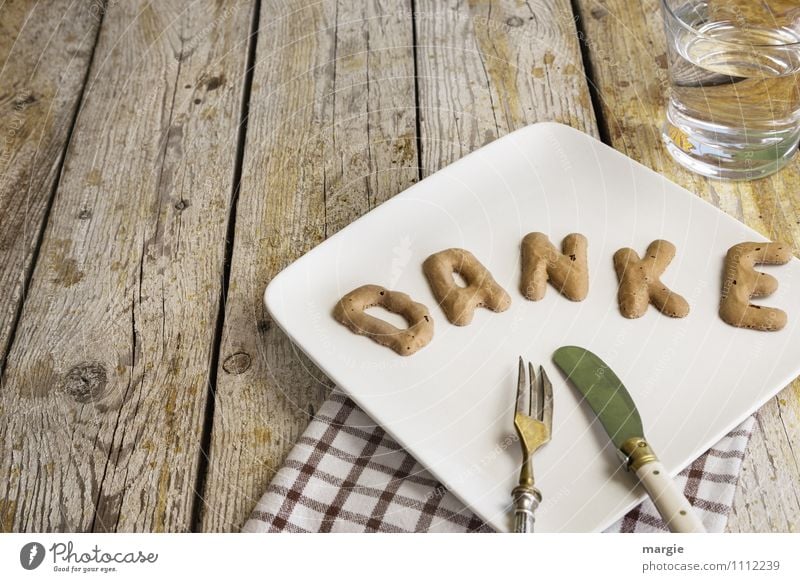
[[626, 48], [106, 383], [45, 52], [331, 134], [488, 67], [104, 393]]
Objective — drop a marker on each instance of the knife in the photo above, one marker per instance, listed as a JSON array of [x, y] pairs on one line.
[[608, 398]]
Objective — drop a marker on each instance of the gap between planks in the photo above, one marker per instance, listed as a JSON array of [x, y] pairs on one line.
[[208, 421], [42, 227]]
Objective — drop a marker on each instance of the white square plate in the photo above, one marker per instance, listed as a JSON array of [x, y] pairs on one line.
[[451, 404]]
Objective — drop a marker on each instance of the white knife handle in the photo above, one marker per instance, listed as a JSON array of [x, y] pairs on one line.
[[668, 499]]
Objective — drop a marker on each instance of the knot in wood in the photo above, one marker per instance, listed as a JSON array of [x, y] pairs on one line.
[[215, 82], [85, 382], [237, 363], [23, 99]]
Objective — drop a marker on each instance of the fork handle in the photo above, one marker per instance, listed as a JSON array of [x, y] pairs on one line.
[[526, 500]]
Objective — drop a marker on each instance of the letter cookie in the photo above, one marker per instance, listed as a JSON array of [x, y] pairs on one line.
[[640, 283], [349, 311], [741, 282], [459, 303], [541, 261]]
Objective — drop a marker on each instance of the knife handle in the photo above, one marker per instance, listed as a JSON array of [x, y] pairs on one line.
[[668, 499]]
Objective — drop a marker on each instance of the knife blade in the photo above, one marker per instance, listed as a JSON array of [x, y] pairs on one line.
[[614, 407]]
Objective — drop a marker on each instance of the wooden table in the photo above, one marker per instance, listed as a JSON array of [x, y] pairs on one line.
[[161, 161]]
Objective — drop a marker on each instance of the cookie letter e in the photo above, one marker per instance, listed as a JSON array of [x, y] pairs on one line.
[[741, 282]]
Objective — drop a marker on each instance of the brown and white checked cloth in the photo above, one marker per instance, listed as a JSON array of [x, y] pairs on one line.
[[347, 475]]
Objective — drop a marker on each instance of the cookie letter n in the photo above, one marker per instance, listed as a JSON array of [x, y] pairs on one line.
[[640, 283], [741, 282], [541, 261]]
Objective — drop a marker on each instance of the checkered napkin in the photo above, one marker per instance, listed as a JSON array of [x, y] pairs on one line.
[[347, 475]]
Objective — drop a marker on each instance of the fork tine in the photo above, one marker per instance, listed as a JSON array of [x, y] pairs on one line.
[[547, 394], [523, 397], [534, 392]]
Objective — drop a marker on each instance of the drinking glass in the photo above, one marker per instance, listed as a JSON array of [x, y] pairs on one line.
[[734, 103]]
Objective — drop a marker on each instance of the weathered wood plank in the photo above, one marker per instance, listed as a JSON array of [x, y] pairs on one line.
[[488, 67], [106, 383], [626, 47], [40, 86], [478, 79], [331, 134], [767, 496]]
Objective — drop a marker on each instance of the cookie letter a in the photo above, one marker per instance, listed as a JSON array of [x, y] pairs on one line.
[[541, 261], [741, 282], [640, 283], [457, 302]]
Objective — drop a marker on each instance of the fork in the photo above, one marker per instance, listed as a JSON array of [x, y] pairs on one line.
[[533, 421]]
